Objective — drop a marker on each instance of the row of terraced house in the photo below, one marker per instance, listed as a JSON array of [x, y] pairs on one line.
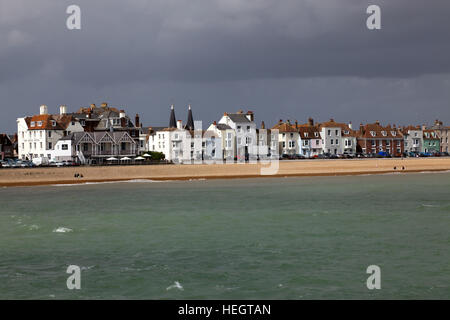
[[95, 134]]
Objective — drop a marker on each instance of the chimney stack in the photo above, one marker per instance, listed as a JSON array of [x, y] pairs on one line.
[[179, 124], [136, 120], [62, 110], [263, 125], [122, 114], [350, 125], [43, 109], [250, 116], [104, 105], [311, 122]]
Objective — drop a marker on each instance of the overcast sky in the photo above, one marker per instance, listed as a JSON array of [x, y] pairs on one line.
[[282, 59]]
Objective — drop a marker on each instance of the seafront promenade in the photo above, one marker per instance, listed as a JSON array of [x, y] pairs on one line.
[[67, 175]]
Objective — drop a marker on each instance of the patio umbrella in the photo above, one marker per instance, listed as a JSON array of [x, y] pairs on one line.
[[139, 158], [112, 159], [124, 159], [147, 155]]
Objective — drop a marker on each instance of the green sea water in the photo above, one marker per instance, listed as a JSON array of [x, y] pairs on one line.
[[267, 238]]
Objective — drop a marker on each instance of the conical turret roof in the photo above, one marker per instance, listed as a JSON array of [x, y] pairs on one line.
[[173, 120], [190, 120]]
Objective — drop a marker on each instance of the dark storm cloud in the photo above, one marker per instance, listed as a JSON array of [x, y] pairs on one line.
[[127, 50]]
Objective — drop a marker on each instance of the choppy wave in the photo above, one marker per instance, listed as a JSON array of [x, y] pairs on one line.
[[62, 229], [430, 205], [176, 285]]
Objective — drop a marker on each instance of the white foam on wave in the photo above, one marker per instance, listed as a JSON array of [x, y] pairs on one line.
[[33, 227], [176, 285], [430, 205], [88, 267], [62, 229]]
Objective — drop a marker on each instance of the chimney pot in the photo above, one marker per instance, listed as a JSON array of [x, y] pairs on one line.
[[43, 109], [62, 110]]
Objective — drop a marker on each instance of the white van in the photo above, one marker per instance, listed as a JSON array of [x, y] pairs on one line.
[[41, 161]]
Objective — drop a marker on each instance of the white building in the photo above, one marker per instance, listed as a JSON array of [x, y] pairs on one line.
[[288, 138], [177, 141], [37, 135], [220, 142], [245, 130]]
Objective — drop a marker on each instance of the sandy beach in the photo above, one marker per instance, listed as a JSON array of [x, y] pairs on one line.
[[65, 175]]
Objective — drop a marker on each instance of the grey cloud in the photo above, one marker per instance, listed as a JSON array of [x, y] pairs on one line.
[[313, 54]]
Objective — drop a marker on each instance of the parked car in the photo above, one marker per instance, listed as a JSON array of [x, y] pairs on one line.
[[54, 163], [5, 164], [425, 154]]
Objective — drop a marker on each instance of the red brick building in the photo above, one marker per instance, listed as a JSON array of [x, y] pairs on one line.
[[375, 138]]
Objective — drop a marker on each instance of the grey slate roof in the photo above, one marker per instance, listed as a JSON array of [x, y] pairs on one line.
[[116, 136], [237, 117], [222, 126]]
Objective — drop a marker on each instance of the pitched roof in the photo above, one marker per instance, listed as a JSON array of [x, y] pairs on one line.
[[238, 117], [284, 127], [222, 126], [98, 136], [5, 139], [48, 122], [428, 134], [375, 130]]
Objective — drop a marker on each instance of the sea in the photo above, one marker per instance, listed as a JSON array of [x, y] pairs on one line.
[[263, 238]]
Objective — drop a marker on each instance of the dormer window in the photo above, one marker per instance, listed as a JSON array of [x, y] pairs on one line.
[[316, 134], [306, 134], [394, 133], [33, 124], [373, 133], [384, 133], [83, 122], [346, 132], [53, 123], [39, 123]]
